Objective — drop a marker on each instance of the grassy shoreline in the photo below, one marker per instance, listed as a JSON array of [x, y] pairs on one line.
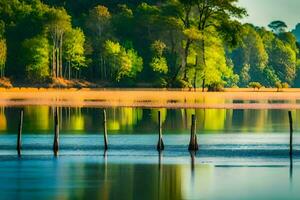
[[152, 98]]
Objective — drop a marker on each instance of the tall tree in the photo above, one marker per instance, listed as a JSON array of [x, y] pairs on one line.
[[2, 57], [211, 13], [250, 57], [278, 26], [3, 49], [57, 24], [36, 58], [123, 63], [74, 51], [98, 23]]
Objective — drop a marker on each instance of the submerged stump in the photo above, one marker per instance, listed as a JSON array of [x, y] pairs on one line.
[[56, 133], [160, 143], [291, 132], [19, 140], [105, 130], [193, 146]]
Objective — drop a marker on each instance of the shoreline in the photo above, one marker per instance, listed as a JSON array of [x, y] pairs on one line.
[[152, 98]]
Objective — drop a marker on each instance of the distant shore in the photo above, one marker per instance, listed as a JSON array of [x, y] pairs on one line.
[[152, 98]]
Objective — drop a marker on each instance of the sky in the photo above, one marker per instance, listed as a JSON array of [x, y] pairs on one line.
[[262, 12]]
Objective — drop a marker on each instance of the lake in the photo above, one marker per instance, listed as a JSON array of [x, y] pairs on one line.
[[244, 154]]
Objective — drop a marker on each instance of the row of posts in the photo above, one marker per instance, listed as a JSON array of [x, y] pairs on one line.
[[193, 144]]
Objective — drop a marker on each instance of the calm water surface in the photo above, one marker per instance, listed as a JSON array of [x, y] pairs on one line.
[[243, 155]]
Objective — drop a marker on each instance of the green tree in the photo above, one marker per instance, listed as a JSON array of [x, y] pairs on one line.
[[278, 26], [98, 23], [159, 63], [58, 22], [36, 58], [283, 60], [250, 58], [3, 49], [2, 57], [122, 63], [74, 50]]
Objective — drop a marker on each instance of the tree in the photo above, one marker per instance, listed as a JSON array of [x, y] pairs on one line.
[[2, 57], [123, 63], [74, 50], [250, 58], [159, 63], [3, 49], [199, 18], [283, 60], [278, 26], [36, 58], [255, 85], [217, 70], [98, 23], [99, 20], [57, 24], [213, 14], [296, 32]]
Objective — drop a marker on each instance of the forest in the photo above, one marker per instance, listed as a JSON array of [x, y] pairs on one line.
[[149, 43]]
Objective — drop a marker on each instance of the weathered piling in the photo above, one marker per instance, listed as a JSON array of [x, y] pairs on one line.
[[160, 144], [56, 132], [193, 146], [19, 140], [105, 130], [291, 132]]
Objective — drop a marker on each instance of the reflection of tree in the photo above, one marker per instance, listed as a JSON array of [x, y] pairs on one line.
[[123, 118], [3, 123], [154, 115], [214, 119], [77, 120], [37, 118], [254, 120]]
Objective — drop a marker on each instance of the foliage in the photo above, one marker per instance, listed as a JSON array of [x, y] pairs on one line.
[[176, 43], [278, 26], [251, 58], [3, 52], [255, 85], [74, 49], [159, 64], [278, 85], [216, 87], [285, 85], [36, 58], [124, 63]]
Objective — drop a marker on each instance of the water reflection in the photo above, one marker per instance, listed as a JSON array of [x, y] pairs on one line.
[[82, 179], [39, 119]]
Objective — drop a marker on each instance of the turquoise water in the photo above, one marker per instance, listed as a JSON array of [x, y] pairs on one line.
[[246, 161]]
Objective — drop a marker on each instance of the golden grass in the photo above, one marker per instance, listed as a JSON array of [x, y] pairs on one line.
[[150, 98]]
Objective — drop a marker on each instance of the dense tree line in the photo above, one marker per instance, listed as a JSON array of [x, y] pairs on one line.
[[161, 43]]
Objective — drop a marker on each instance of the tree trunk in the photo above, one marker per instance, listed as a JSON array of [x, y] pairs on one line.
[[186, 53], [69, 63], [195, 74], [57, 62], [60, 54], [53, 62], [204, 63]]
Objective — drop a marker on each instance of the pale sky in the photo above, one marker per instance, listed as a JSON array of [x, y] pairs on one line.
[[262, 12]]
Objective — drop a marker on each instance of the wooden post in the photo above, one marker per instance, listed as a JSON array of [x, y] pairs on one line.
[[105, 130], [56, 133], [193, 140], [291, 132], [19, 140], [160, 144]]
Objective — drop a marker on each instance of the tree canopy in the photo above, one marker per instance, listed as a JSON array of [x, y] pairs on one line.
[[158, 43]]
